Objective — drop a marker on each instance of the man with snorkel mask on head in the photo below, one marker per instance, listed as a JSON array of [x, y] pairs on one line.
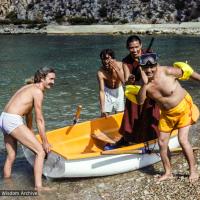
[[177, 108], [110, 77]]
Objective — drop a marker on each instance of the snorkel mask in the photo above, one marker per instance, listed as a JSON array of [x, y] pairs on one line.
[[148, 60]]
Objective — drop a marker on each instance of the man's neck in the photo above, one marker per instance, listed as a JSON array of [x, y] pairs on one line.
[[40, 86], [108, 70]]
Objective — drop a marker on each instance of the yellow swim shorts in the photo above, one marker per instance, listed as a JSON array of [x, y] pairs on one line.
[[184, 114]]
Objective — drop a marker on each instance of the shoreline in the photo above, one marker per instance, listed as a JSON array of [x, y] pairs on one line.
[[185, 28], [190, 28]]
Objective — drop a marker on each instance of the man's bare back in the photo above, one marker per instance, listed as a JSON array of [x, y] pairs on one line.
[[22, 101]]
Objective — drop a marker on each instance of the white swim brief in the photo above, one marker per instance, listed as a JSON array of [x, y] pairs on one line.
[[114, 99], [8, 122]]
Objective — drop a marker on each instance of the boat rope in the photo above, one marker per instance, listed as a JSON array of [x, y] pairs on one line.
[[146, 148], [149, 150]]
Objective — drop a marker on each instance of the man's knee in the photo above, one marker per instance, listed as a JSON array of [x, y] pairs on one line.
[[183, 142], [40, 152], [160, 142]]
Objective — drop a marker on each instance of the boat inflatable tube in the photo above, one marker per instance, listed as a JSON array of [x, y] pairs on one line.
[[131, 91], [187, 70]]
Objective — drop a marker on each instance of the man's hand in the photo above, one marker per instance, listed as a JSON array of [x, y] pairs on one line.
[[114, 65], [131, 80], [104, 114], [46, 146], [144, 76]]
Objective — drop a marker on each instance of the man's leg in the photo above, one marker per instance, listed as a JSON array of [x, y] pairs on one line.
[[11, 148], [27, 138], [187, 149], [163, 141]]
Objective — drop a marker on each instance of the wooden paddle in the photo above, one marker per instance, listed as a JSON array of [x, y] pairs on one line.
[[139, 151], [77, 115]]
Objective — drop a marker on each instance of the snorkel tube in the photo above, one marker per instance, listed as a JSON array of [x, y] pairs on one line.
[[150, 45]]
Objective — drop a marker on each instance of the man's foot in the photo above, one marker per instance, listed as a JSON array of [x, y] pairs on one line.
[[164, 177], [7, 177], [118, 144], [194, 176]]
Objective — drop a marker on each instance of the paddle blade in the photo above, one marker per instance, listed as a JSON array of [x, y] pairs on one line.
[[77, 115]]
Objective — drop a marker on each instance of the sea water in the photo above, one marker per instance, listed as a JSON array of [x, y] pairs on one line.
[[76, 61]]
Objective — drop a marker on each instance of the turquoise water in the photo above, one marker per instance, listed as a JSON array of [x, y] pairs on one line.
[[76, 60]]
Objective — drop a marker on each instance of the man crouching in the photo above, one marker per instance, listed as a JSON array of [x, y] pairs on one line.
[[11, 123], [177, 109]]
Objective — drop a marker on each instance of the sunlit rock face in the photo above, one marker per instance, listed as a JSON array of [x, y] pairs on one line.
[[101, 11]]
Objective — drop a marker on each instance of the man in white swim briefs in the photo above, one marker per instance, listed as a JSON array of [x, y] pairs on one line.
[[110, 77], [11, 123]]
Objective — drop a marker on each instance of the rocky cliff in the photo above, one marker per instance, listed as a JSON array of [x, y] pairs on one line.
[[100, 11]]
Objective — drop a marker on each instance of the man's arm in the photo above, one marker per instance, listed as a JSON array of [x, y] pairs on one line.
[[129, 78], [174, 71], [29, 120], [195, 76], [101, 93], [142, 94], [126, 72], [38, 99], [117, 66]]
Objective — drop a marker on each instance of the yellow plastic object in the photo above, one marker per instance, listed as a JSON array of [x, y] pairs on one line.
[[187, 70], [131, 91]]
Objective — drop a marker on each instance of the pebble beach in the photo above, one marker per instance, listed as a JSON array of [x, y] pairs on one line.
[[190, 28], [137, 185]]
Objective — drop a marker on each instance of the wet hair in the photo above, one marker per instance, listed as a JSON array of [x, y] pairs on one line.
[[42, 73], [105, 52], [29, 80], [132, 38]]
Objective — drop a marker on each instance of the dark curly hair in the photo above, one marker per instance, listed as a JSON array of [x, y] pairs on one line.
[[105, 52]]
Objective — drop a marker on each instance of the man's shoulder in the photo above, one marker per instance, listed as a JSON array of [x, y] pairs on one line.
[[35, 91], [101, 71], [100, 74]]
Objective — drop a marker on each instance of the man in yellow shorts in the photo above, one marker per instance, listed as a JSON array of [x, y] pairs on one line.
[[177, 109], [184, 114]]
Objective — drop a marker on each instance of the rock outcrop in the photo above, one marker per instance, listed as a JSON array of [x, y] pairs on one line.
[[101, 11]]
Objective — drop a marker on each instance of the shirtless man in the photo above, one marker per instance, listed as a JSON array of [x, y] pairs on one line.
[[110, 77], [11, 123], [177, 109]]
